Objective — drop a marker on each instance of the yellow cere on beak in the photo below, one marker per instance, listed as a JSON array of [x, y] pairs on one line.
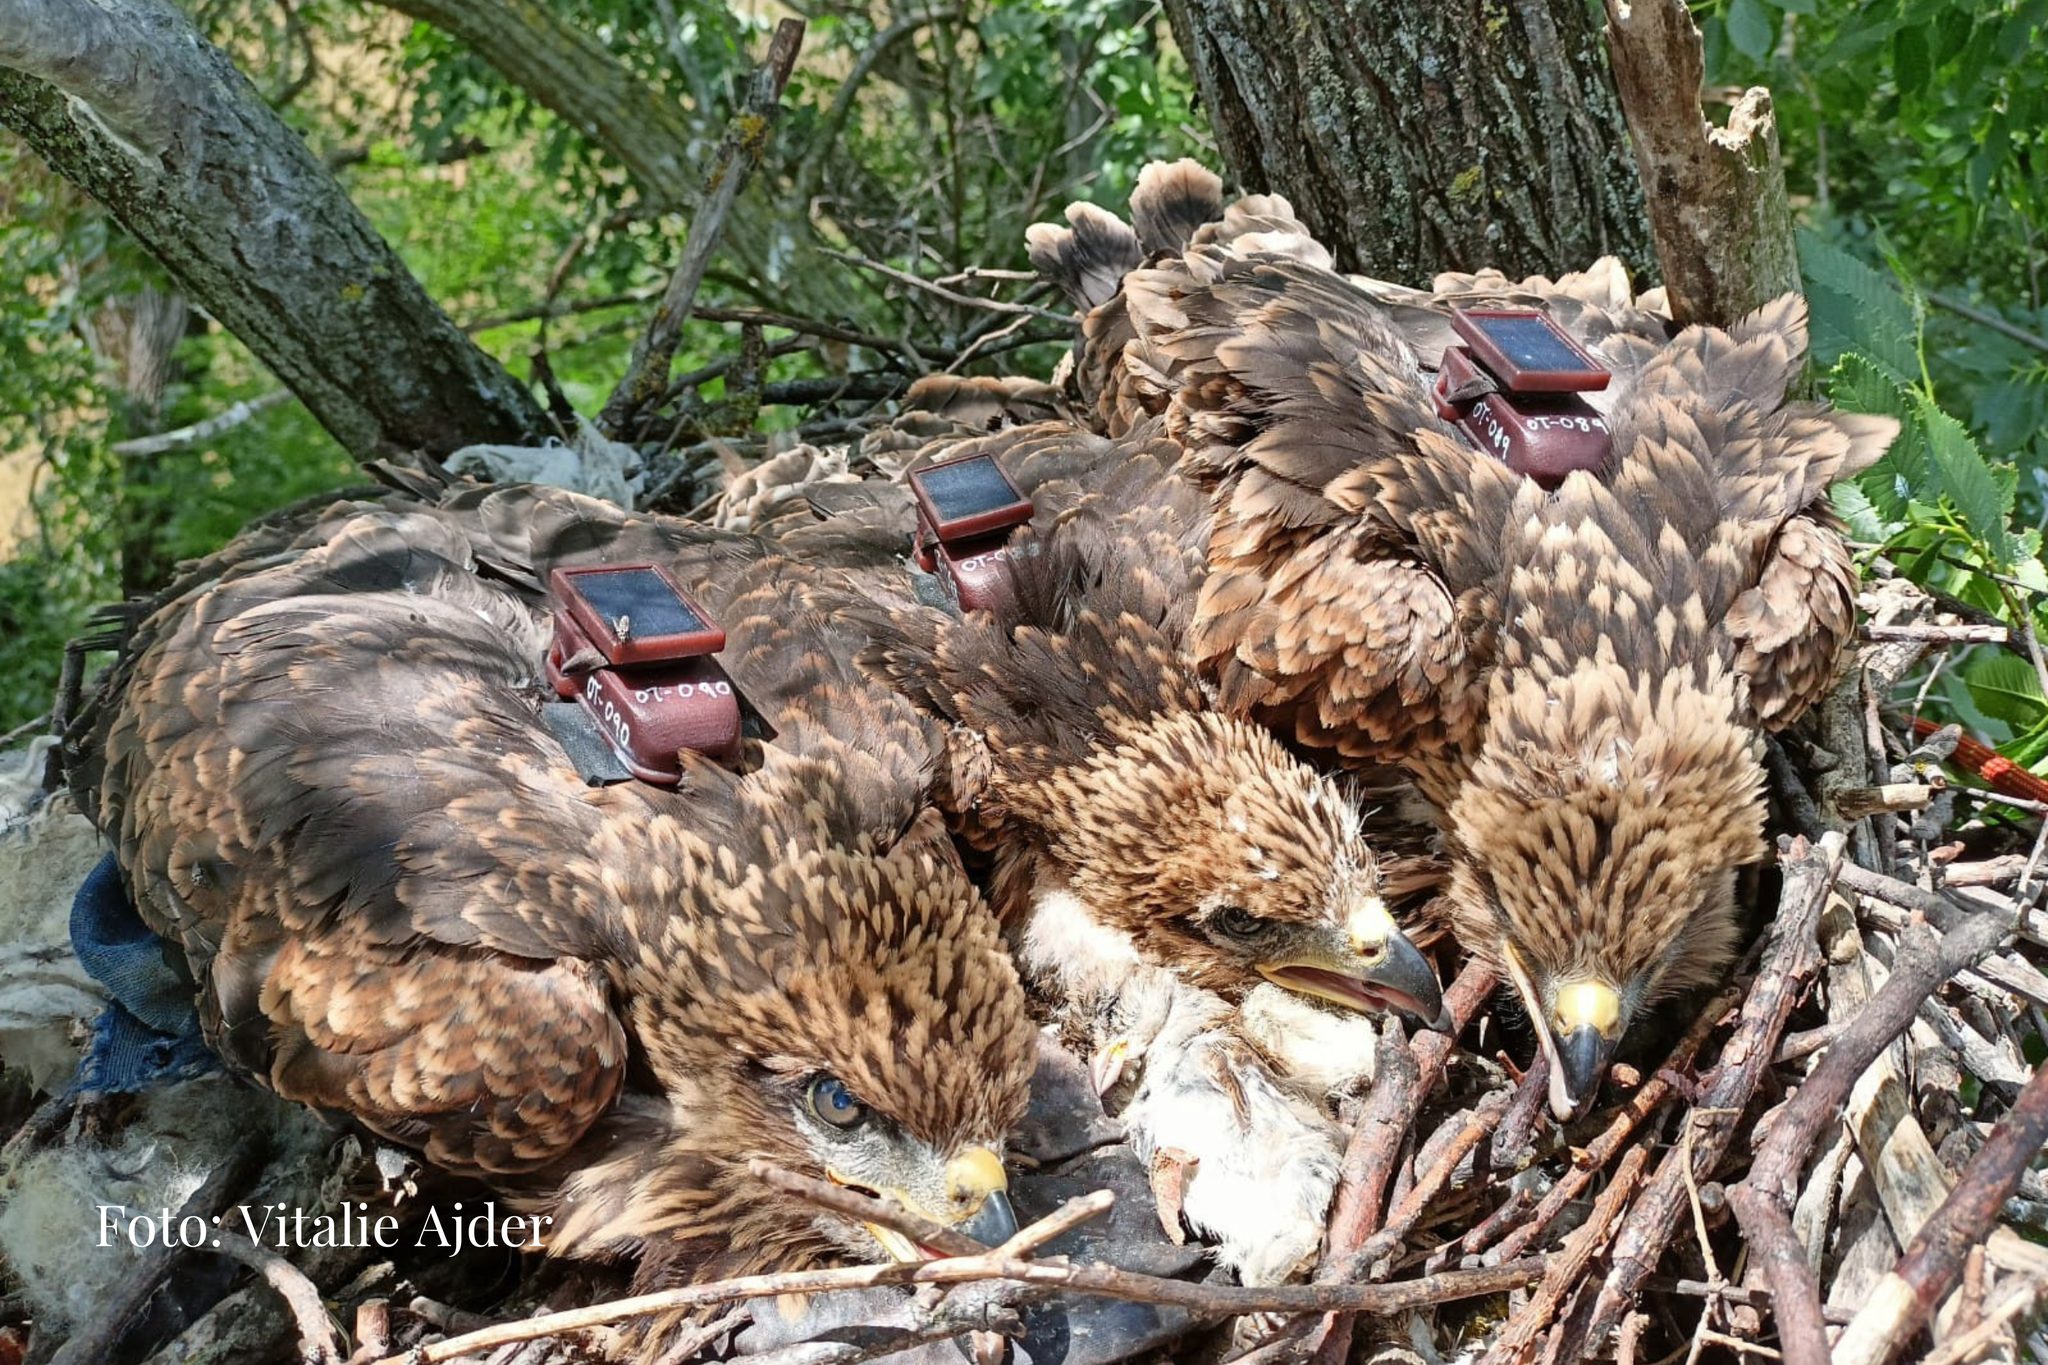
[[1370, 927], [1584, 1030], [972, 1177], [976, 1204], [1589, 1004]]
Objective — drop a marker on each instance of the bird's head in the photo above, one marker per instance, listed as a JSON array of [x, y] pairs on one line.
[[1595, 861], [1196, 840], [848, 1016]]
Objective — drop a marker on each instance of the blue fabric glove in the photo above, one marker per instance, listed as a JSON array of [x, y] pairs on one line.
[[148, 1035]]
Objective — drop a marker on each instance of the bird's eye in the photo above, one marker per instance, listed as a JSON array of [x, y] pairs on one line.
[[1234, 921], [833, 1103]]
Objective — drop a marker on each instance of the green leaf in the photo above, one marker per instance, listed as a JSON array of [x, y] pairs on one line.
[[1910, 60], [1855, 307], [1864, 519], [1959, 472], [1752, 28], [2005, 687], [1856, 384], [1990, 156]]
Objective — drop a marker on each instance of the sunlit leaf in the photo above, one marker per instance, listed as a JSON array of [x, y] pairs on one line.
[[1959, 471]]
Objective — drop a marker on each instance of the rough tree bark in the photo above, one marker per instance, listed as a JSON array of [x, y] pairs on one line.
[[1718, 211], [126, 99], [1415, 136], [575, 75]]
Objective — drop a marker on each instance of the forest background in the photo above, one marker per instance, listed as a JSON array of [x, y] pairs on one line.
[[535, 164]]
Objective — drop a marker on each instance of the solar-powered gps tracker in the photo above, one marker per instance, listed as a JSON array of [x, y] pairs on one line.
[[1526, 352], [1514, 387], [966, 509], [631, 657], [970, 496], [636, 613]]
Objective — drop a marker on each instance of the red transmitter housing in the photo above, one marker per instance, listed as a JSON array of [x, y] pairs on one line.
[[1514, 387], [636, 652], [966, 509]]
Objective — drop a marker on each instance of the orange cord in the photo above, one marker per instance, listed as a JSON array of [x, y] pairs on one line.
[[2004, 776]]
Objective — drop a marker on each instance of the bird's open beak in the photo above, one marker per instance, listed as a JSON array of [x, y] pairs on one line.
[[978, 1206], [1369, 965], [1578, 1035]]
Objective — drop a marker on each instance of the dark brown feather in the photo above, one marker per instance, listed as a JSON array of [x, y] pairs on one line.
[[323, 773]]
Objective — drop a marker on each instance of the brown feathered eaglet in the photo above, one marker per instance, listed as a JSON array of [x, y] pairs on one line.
[[1108, 780], [1189, 897], [322, 769], [1578, 678]]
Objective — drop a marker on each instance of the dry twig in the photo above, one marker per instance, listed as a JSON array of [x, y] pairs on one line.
[[1928, 1269], [646, 376], [1788, 963]]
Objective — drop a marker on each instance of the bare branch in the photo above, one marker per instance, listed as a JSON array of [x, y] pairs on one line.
[[951, 295], [746, 137], [128, 100], [199, 432], [1716, 196]]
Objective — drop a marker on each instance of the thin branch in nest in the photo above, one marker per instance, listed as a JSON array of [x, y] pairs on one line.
[[1567, 1269], [891, 1215], [1908, 1293], [1789, 960], [950, 295], [1202, 1300], [1965, 1345], [1595, 1156], [1968, 634], [1512, 1141], [1427, 1187], [318, 1344], [1375, 1145], [1763, 1201]]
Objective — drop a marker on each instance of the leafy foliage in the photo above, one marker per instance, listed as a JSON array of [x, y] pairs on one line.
[[927, 140], [1914, 133], [961, 129]]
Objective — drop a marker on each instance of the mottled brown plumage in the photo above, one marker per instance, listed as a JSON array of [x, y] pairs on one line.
[[322, 770], [1098, 769], [1578, 678], [1184, 894]]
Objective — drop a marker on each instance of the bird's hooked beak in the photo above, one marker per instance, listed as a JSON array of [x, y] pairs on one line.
[[1367, 965], [1578, 1032], [977, 1205]]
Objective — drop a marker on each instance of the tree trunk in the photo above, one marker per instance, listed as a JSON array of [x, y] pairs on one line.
[[1718, 210], [126, 99], [1415, 136], [575, 75]]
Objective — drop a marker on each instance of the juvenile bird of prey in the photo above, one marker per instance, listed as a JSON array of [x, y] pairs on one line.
[[1180, 887], [321, 766], [1578, 678]]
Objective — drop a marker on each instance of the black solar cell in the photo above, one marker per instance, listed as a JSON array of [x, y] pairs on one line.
[[967, 488], [643, 598]]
